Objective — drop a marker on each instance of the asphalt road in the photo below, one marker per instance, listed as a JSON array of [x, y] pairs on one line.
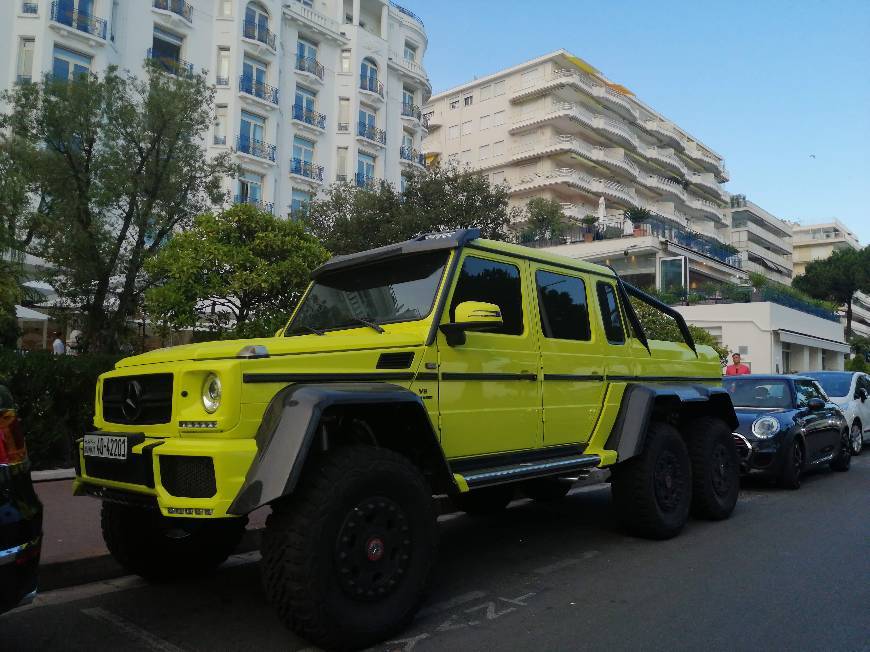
[[788, 571]]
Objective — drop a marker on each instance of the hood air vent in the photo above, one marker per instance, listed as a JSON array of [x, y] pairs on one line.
[[395, 360]]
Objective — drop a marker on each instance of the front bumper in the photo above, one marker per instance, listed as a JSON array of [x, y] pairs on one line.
[[180, 476], [765, 455]]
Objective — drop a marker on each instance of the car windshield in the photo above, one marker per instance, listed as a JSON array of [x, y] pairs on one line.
[[401, 289], [834, 384], [758, 392]]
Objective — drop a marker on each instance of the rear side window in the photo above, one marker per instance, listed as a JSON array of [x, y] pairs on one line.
[[492, 282], [562, 304], [610, 317]]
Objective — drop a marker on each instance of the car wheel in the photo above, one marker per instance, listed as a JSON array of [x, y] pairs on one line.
[[652, 492], [843, 459], [347, 557], [857, 438], [793, 466], [715, 468], [547, 489], [485, 501]]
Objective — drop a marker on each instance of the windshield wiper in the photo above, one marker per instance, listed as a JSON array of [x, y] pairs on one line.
[[310, 329], [370, 323]]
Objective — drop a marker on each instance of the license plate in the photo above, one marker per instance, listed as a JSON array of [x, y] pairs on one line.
[[105, 446]]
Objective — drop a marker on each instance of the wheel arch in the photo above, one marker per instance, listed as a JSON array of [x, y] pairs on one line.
[[303, 421]]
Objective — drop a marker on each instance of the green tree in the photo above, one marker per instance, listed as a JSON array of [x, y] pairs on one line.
[[837, 278], [243, 264], [659, 326], [112, 167], [351, 219], [544, 219]]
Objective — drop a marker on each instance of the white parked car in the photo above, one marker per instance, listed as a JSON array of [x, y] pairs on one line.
[[850, 390]]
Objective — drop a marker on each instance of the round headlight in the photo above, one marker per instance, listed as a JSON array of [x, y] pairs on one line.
[[211, 393], [765, 427]]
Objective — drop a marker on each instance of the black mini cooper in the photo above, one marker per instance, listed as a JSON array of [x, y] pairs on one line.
[[787, 425]]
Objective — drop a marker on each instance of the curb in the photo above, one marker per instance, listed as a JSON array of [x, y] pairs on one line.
[[52, 474]]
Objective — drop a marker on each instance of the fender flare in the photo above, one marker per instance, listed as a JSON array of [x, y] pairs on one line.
[[641, 401], [289, 429]]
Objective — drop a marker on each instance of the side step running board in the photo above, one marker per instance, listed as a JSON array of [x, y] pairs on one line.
[[527, 470]]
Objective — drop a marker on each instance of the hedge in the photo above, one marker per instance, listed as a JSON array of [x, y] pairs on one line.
[[55, 399]]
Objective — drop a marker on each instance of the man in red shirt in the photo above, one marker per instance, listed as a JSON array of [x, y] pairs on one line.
[[736, 369]]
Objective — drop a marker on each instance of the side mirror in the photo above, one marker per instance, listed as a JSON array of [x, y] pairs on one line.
[[815, 404], [471, 316], [861, 394]]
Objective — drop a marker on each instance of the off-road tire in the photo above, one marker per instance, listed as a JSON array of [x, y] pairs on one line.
[[843, 460], [485, 501], [715, 468], [161, 548], [547, 489], [352, 504], [793, 466], [648, 504]]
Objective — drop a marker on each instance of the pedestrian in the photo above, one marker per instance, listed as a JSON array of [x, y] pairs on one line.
[[58, 347], [737, 368]]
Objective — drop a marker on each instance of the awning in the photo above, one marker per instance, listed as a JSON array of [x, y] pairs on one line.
[[811, 340], [26, 314], [585, 67]]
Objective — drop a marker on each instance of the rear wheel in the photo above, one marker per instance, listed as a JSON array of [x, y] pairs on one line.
[[160, 548], [857, 438], [547, 489], [653, 491], [715, 469], [793, 466], [488, 500], [843, 459]]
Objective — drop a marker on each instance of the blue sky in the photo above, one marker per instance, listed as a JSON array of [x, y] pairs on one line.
[[765, 83]]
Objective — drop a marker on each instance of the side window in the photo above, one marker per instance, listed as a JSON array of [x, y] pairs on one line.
[[610, 317], [492, 282], [806, 390], [562, 304], [863, 382]]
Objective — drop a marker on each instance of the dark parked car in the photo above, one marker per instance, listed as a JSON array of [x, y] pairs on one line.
[[787, 425], [20, 512]]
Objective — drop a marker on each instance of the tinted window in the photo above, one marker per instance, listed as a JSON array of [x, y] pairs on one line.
[[610, 317], [805, 390], [562, 302], [863, 382], [834, 384], [761, 393], [492, 282]]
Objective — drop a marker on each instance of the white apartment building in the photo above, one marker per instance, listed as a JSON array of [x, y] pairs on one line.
[[818, 241], [555, 127], [308, 91], [764, 240]]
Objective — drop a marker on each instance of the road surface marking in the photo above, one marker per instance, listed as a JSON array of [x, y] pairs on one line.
[[559, 565], [447, 605], [143, 636]]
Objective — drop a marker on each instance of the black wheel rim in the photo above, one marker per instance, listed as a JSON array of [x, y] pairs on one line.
[[722, 470], [373, 549], [669, 481], [797, 458]]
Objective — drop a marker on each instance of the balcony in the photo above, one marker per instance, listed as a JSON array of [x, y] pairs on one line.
[[266, 207], [261, 91], [412, 70], [372, 134], [371, 85], [310, 66], [565, 113], [256, 148], [666, 156], [260, 33], [171, 65], [697, 242], [412, 111], [315, 21], [30, 8], [306, 169], [407, 18], [668, 186], [177, 7], [70, 17], [582, 83], [707, 181], [707, 208], [576, 180], [364, 181], [411, 155], [703, 157], [665, 131], [613, 158], [309, 117]]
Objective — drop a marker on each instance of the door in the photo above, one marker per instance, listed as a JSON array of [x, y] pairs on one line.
[[489, 394], [862, 408], [303, 104], [250, 132], [254, 78], [306, 55], [365, 169], [571, 360], [822, 426]]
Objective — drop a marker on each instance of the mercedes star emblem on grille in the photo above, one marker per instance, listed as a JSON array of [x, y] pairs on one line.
[[132, 407]]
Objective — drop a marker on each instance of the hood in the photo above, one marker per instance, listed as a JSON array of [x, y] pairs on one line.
[[746, 416], [345, 340]]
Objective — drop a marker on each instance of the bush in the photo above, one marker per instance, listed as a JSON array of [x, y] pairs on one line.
[[858, 363], [659, 326], [55, 399]]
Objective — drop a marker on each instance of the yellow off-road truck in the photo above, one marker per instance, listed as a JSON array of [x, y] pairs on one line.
[[444, 365]]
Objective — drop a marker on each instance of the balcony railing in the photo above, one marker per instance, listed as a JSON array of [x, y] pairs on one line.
[[309, 116], [410, 154], [257, 32], [173, 66], [30, 8], [364, 181], [178, 7], [256, 148], [265, 206], [22, 80], [407, 12], [68, 15], [219, 140], [694, 241], [222, 81], [310, 65], [371, 84], [258, 89], [371, 133], [306, 169], [412, 111]]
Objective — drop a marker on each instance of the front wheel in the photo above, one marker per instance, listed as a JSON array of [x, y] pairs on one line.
[[843, 458], [653, 491], [347, 557], [857, 438]]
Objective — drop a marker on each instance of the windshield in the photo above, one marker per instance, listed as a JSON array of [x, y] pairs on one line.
[[401, 289], [758, 393], [834, 384]]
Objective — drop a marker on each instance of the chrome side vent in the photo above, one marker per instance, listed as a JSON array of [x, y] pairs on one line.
[[395, 360]]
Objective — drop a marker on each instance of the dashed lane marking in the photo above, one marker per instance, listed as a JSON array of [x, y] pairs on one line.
[[143, 636]]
